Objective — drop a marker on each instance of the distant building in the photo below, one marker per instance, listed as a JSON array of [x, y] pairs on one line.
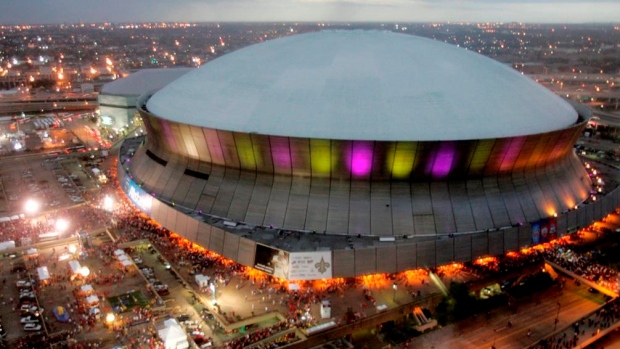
[[117, 99]]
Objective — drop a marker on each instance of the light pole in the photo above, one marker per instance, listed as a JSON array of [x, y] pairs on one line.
[[557, 317], [108, 203], [31, 206], [394, 287], [212, 288]]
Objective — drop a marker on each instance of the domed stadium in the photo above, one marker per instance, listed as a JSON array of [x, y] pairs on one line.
[[358, 152]]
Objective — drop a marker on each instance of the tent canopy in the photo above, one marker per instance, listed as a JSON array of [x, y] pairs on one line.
[[87, 288], [92, 299], [173, 335], [75, 266], [202, 280], [43, 273], [119, 252], [126, 262]]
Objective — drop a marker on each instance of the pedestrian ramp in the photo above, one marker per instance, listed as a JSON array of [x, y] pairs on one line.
[[424, 323]]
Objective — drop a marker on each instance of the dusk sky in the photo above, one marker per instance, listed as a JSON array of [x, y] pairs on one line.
[[531, 11]]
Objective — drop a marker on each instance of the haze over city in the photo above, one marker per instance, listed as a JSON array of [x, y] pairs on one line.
[[529, 11]]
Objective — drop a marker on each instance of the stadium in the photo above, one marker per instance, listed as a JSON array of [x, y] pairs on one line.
[[344, 153]]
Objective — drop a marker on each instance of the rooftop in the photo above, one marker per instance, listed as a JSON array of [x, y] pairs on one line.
[[143, 81], [362, 85]]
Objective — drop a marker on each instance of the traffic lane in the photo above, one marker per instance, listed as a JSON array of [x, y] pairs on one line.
[[537, 315]]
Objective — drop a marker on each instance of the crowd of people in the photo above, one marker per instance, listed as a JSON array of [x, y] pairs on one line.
[[585, 328], [583, 265]]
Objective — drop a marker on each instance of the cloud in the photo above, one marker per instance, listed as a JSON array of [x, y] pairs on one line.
[[548, 11]]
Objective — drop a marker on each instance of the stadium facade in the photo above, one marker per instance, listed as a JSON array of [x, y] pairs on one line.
[[343, 153]]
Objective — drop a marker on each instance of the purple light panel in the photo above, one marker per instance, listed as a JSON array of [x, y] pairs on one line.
[[361, 159], [444, 160], [281, 153]]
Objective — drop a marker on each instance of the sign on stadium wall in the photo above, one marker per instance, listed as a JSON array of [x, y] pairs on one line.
[[310, 265], [544, 230], [272, 261], [137, 195]]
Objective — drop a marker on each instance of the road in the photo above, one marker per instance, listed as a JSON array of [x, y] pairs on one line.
[[575, 302]]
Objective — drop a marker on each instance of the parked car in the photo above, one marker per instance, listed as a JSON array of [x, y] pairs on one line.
[[32, 327], [23, 283], [30, 320]]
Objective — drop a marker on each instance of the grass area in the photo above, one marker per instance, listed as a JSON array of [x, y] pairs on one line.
[[124, 302]]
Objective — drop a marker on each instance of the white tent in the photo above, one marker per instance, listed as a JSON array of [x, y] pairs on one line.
[[173, 335], [87, 288], [202, 280], [119, 252], [6, 245], [43, 273], [92, 299], [126, 262], [123, 257], [75, 266]]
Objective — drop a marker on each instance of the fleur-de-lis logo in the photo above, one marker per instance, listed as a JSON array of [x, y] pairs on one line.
[[322, 266]]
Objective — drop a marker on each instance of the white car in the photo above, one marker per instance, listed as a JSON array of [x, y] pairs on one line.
[[32, 327], [29, 308], [30, 320], [23, 283]]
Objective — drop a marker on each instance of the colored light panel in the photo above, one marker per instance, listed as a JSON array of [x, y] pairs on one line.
[[188, 140], [320, 156], [169, 136], [281, 153], [213, 142], [444, 160], [401, 159], [245, 151], [361, 158], [511, 153], [481, 156]]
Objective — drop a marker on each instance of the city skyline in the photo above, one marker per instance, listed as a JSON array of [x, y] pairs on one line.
[[527, 11]]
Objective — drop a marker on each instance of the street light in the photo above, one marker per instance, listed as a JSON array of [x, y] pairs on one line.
[[212, 288], [394, 287], [61, 225], [109, 319], [108, 203], [31, 206]]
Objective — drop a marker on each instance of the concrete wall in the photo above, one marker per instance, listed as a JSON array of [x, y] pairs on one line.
[[390, 256]]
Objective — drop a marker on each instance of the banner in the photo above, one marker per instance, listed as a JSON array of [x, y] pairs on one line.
[[544, 230], [536, 233], [310, 265], [553, 228], [272, 261], [137, 195]]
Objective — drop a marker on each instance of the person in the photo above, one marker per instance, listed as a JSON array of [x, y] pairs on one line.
[[280, 265], [529, 332]]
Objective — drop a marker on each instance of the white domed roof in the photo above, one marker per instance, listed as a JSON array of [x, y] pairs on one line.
[[362, 85]]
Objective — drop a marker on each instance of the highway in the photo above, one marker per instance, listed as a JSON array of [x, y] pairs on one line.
[[605, 118], [531, 314]]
